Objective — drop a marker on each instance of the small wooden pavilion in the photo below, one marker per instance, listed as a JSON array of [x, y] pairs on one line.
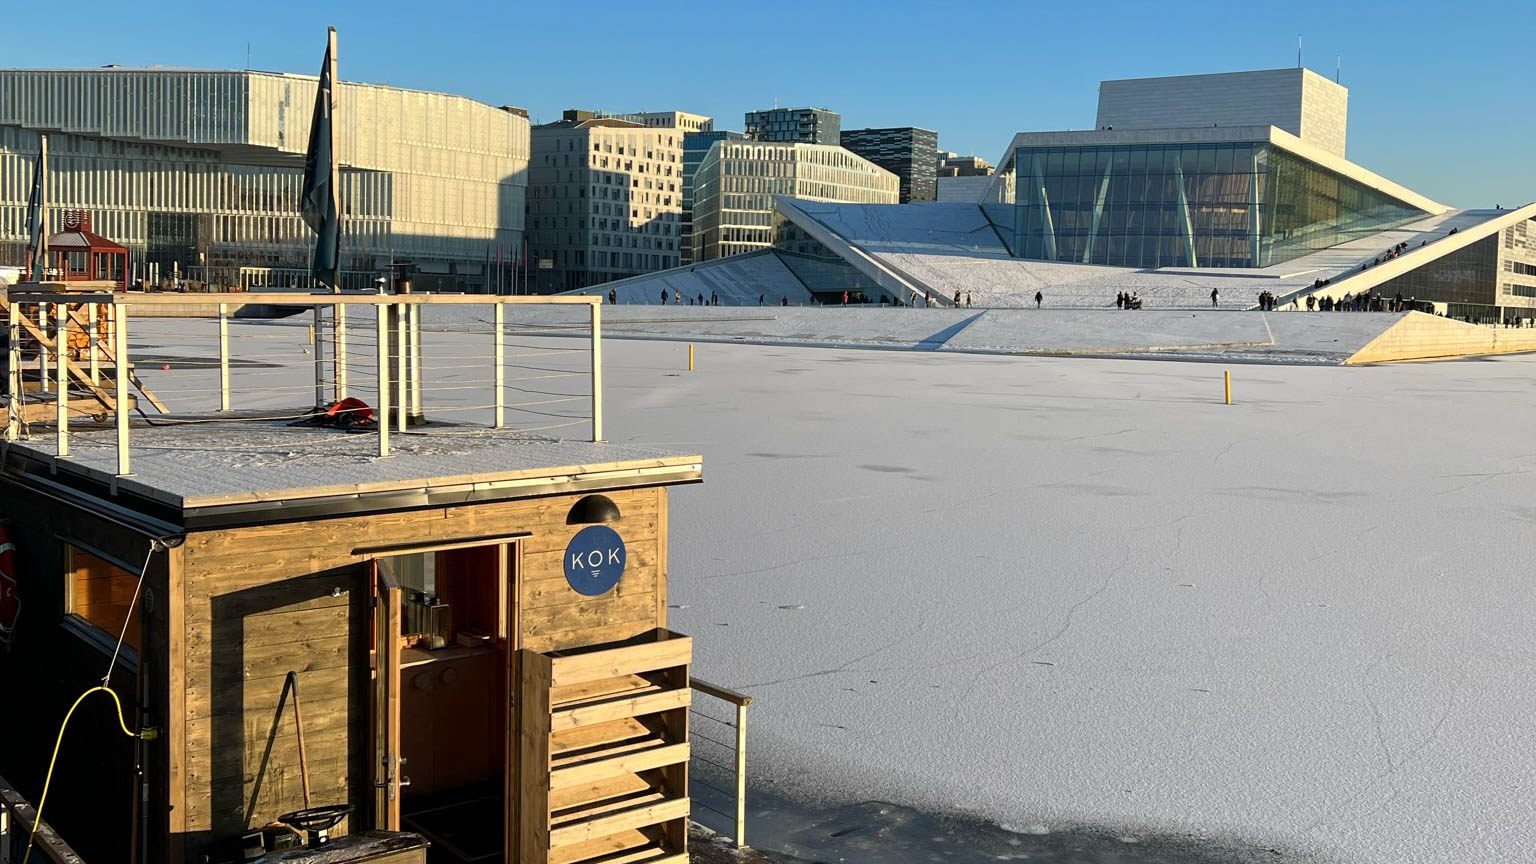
[[78, 254]]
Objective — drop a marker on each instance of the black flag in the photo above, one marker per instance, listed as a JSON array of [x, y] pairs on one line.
[[320, 195]]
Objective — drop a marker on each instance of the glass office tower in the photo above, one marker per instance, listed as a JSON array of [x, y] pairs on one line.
[[1190, 205]]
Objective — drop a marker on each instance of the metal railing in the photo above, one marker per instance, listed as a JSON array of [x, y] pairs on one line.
[[17, 817], [195, 358], [718, 733]]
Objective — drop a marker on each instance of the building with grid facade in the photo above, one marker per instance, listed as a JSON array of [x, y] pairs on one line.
[[679, 120], [605, 201], [695, 145], [735, 186], [795, 126], [906, 151], [200, 171]]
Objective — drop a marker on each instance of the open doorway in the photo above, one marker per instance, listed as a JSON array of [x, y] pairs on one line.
[[443, 704]]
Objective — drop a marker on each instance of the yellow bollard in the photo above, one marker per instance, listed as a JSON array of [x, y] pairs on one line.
[[311, 334], [1227, 376], [690, 357]]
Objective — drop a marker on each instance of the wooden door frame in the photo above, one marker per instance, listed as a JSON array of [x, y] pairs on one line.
[[512, 582], [385, 722]]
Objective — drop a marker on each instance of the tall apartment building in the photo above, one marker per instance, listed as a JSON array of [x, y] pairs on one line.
[[906, 151], [199, 171], [795, 126], [604, 201], [737, 180], [695, 145]]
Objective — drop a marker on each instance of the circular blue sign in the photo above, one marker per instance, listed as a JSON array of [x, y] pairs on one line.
[[594, 560]]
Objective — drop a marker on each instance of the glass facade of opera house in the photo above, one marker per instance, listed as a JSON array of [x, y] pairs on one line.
[[1188, 205]]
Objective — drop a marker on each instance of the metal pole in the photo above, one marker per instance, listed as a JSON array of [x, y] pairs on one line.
[[415, 414], [597, 372], [223, 356], [13, 369], [120, 371], [60, 348], [317, 338], [402, 364], [501, 374], [741, 775], [382, 417], [92, 337], [340, 354]]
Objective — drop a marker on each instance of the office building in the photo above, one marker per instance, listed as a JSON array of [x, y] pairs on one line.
[[680, 120], [695, 145], [737, 181], [199, 172], [795, 126], [955, 165], [604, 203], [1191, 216], [906, 151]]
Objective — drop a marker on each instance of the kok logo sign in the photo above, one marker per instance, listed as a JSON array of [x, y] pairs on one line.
[[594, 560]]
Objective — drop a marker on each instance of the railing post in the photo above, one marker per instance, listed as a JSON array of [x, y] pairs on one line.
[[93, 335], [120, 392], [381, 416], [42, 349], [498, 318], [402, 365], [340, 354], [741, 776], [13, 369], [60, 354], [597, 371], [414, 332], [318, 333], [223, 356]]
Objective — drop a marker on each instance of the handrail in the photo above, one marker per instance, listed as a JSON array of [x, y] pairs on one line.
[[723, 693], [740, 701], [23, 291], [16, 832]]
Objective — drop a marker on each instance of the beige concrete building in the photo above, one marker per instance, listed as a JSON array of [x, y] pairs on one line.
[[200, 171], [736, 182], [1299, 101], [680, 120], [605, 201]]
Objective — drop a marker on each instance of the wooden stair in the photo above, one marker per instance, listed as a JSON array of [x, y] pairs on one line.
[[604, 768]]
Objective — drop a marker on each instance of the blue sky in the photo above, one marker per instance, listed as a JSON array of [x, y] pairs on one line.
[[1440, 96]]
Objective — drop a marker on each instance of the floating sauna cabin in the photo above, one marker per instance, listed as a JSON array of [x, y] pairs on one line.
[[471, 634]]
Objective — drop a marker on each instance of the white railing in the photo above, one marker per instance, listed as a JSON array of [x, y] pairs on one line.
[[418, 362]]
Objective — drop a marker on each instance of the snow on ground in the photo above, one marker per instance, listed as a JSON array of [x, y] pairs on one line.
[[1071, 592], [1081, 596]]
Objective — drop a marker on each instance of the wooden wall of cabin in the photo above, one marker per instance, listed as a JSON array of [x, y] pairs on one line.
[[52, 661], [258, 603]]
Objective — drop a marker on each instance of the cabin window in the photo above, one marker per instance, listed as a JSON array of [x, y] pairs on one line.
[[99, 596], [450, 597]]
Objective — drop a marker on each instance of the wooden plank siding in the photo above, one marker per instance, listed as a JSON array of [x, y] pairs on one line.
[[264, 600]]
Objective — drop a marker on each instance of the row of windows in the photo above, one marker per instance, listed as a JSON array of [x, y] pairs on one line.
[[1520, 267], [1520, 290]]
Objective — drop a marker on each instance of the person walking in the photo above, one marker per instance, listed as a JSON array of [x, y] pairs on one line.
[[845, 298], [957, 299], [1214, 295], [967, 299], [663, 296], [760, 299], [613, 297], [677, 297], [714, 299], [1119, 299], [1038, 299]]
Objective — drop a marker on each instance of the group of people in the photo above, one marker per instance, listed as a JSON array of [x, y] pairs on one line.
[[1132, 300], [1267, 301], [677, 298]]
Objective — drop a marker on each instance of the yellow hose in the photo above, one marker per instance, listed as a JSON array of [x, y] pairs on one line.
[[37, 818]]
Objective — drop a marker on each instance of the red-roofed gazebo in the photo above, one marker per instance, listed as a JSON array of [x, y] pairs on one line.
[[77, 254]]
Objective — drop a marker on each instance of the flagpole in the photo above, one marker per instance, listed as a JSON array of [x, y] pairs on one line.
[[335, 159]]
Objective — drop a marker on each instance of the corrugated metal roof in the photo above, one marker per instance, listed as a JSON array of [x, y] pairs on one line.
[[84, 240]]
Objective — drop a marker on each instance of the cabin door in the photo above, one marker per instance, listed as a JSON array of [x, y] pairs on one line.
[[387, 763]]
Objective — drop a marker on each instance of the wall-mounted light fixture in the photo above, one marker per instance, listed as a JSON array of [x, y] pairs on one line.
[[593, 510]]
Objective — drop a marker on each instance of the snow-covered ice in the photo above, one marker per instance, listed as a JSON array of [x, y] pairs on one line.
[[1076, 592]]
